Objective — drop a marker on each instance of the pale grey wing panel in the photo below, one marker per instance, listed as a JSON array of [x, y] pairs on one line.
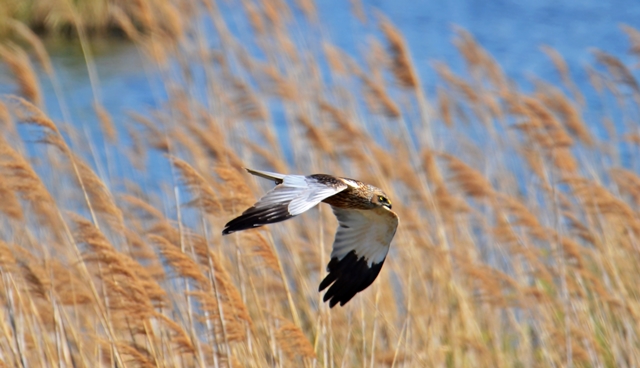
[[295, 195], [367, 232], [300, 192], [313, 193]]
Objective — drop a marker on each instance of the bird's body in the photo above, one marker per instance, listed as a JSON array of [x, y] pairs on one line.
[[366, 225]]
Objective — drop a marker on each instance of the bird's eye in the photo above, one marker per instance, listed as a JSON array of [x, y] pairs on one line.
[[384, 201]]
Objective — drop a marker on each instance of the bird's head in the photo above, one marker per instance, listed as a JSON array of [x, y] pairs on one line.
[[380, 198]]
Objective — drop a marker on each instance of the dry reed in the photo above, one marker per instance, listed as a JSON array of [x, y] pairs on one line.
[[517, 248], [21, 68]]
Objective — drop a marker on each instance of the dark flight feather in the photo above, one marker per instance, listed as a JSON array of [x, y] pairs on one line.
[[347, 277], [258, 216]]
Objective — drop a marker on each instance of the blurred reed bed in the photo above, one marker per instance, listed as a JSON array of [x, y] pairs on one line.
[[95, 17], [519, 224]]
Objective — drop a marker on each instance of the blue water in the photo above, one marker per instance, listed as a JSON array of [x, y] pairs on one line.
[[512, 31]]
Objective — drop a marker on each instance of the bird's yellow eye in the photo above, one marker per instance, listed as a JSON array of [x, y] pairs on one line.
[[383, 201]]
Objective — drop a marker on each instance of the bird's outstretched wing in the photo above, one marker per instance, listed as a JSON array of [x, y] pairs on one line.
[[293, 195], [359, 250]]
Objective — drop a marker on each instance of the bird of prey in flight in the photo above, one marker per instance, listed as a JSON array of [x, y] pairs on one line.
[[366, 225]]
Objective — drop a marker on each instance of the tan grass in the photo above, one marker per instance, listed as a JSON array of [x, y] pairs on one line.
[[634, 38], [99, 196], [492, 264], [28, 113], [471, 182], [105, 121], [315, 135], [341, 119], [19, 177], [445, 109], [10, 205], [183, 265], [378, 100], [334, 57], [276, 83], [479, 62], [22, 70], [617, 70], [563, 70], [401, 64], [293, 342], [457, 83], [567, 112], [124, 22], [628, 183], [6, 121], [205, 197], [35, 42]]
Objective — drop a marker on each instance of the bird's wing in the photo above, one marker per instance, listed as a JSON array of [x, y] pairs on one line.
[[359, 250], [278, 178], [293, 196]]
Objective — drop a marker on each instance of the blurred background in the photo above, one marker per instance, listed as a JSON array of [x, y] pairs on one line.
[[506, 134], [512, 32]]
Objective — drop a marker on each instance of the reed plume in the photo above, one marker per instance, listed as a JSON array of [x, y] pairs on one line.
[[19, 177], [21, 68], [293, 342], [470, 181], [517, 243], [205, 196], [401, 64], [617, 70]]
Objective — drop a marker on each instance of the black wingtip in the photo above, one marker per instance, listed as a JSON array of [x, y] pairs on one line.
[[347, 277], [257, 216], [237, 224]]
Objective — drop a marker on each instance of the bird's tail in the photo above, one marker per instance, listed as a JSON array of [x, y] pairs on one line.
[[278, 178]]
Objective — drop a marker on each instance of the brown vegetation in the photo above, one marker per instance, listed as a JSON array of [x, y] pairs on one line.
[[520, 250]]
